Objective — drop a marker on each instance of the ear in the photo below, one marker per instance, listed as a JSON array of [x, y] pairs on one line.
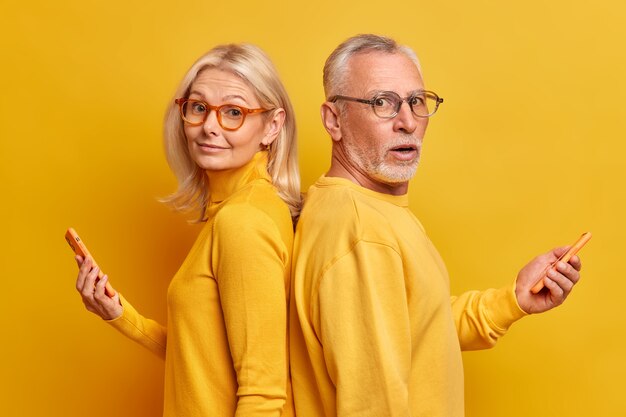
[[330, 119], [273, 127]]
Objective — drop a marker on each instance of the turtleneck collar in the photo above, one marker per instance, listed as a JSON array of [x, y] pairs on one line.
[[399, 200], [225, 183]]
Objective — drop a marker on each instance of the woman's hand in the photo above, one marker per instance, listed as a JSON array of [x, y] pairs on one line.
[[558, 283], [92, 292]]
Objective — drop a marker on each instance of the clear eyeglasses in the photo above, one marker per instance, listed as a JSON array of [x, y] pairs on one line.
[[229, 116], [386, 104]]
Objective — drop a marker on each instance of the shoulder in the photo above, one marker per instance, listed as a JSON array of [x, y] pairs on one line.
[[343, 235], [340, 225], [257, 208], [261, 195], [341, 212]]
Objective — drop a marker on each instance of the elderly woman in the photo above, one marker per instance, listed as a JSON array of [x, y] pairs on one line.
[[230, 138]]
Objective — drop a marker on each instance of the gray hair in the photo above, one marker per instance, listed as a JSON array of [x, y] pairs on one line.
[[336, 67]]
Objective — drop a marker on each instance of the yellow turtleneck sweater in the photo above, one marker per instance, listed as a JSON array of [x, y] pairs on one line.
[[225, 345]]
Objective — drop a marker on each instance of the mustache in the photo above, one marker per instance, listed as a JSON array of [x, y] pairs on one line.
[[403, 140]]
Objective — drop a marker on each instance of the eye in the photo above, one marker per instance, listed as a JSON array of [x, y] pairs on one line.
[[379, 102], [198, 107], [385, 101], [232, 112], [416, 101]]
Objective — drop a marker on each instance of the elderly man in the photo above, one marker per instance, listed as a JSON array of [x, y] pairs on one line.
[[374, 331]]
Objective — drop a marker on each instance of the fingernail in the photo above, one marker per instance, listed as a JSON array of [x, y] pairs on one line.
[[561, 266], [551, 273]]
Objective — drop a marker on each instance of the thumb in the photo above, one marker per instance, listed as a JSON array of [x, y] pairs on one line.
[[560, 251]]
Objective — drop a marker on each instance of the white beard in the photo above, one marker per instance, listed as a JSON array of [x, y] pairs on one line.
[[373, 163]]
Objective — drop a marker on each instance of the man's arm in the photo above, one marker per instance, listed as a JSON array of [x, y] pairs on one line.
[[361, 317], [482, 317]]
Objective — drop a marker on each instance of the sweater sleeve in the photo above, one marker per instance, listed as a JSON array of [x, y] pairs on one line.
[[362, 319], [146, 332], [250, 264], [482, 317]]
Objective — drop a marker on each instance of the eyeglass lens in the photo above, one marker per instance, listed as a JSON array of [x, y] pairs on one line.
[[388, 104], [228, 116]]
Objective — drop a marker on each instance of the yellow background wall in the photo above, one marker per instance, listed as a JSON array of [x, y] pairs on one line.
[[526, 153]]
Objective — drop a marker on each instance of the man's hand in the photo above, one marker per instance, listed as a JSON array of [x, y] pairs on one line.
[[558, 284]]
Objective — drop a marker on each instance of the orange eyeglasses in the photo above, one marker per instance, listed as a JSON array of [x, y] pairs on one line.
[[229, 116]]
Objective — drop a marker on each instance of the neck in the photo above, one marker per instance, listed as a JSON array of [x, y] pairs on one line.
[[224, 183]]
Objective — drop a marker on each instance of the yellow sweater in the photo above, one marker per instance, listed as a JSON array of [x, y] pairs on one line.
[[374, 331], [225, 346]]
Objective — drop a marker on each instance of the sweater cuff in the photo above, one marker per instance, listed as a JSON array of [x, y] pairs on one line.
[[124, 315], [504, 309], [123, 303], [147, 333], [128, 322]]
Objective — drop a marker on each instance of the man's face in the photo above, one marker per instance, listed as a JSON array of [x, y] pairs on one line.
[[386, 151]]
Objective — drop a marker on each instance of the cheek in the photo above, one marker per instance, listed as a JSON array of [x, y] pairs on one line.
[[190, 132], [422, 127], [245, 138]]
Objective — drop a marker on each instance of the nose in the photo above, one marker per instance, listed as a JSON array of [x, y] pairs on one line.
[[211, 124], [406, 122]]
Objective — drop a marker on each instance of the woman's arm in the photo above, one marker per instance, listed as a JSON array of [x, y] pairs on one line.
[[117, 311], [251, 266]]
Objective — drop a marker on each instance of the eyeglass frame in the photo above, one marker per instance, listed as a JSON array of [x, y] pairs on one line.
[[245, 111], [372, 102]]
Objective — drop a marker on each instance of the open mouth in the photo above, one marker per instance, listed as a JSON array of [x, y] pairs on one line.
[[405, 148], [405, 152]]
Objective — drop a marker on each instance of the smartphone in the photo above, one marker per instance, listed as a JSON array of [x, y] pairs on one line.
[[79, 248], [573, 250]]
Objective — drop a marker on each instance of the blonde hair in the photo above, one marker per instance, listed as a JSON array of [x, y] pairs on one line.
[[336, 66], [251, 64]]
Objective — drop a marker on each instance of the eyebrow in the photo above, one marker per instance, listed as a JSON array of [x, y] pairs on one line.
[[411, 93], [225, 98], [232, 96]]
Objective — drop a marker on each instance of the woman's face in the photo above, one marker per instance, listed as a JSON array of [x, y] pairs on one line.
[[211, 147]]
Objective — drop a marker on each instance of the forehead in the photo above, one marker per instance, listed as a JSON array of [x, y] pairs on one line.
[[373, 71], [218, 83]]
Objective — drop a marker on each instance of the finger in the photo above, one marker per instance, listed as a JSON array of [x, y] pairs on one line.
[[560, 251], [83, 270], [568, 271], [556, 292], [99, 295], [116, 299], [562, 281], [110, 308], [109, 290], [90, 282], [79, 260], [575, 262]]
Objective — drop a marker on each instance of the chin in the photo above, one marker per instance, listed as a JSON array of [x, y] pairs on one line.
[[212, 164], [394, 175]]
